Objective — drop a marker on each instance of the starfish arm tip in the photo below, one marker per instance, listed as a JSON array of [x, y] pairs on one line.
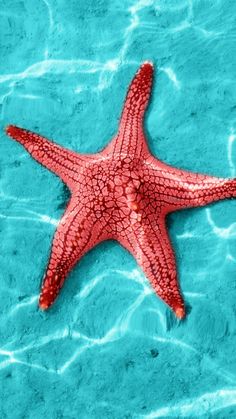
[[148, 63], [9, 129], [147, 69], [47, 298], [43, 303], [43, 306], [180, 312]]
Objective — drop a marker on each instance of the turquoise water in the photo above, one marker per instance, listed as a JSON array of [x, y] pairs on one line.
[[109, 348]]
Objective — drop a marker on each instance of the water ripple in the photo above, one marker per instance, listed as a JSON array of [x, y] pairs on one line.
[[198, 406]]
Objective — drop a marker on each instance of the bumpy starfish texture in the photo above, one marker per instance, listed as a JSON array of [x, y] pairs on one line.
[[121, 193]]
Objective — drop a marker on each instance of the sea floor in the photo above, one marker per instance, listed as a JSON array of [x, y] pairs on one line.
[[109, 348]]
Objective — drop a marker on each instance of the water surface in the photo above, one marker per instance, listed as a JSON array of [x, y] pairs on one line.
[[109, 348]]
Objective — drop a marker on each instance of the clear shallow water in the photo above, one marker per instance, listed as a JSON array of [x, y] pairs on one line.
[[109, 348]]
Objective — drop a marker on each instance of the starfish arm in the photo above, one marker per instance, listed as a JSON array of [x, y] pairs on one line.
[[59, 160], [179, 189], [78, 231], [161, 169], [130, 138], [151, 247], [206, 191]]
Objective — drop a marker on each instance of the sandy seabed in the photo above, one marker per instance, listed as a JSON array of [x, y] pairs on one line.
[[109, 348]]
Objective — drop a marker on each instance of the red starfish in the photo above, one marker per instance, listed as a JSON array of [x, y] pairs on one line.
[[121, 193]]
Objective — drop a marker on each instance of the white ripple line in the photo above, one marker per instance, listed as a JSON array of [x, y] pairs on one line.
[[31, 97], [224, 233], [135, 275], [176, 342], [115, 333], [134, 23], [40, 68], [189, 23], [231, 140], [6, 96], [172, 76], [15, 198], [207, 402], [26, 303], [43, 218], [218, 370], [51, 24], [12, 360], [44, 340], [90, 286], [112, 65], [50, 16]]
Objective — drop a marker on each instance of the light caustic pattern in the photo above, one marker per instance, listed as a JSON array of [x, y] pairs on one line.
[[108, 317]]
